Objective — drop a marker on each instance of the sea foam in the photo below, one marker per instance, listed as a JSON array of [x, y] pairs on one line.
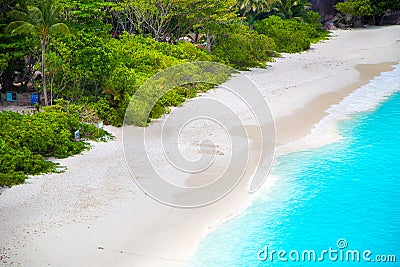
[[365, 98]]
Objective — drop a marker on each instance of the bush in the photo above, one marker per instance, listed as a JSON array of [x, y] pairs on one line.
[[136, 59], [26, 139], [243, 48], [313, 18], [15, 163], [290, 35], [106, 112], [11, 178], [102, 74], [355, 8]]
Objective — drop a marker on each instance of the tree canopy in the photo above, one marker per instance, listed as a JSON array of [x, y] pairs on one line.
[[96, 53], [41, 21]]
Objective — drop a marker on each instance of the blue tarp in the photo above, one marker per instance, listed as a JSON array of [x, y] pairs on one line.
[[34, 99]]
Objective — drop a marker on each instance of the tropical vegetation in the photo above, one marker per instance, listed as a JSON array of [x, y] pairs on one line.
[[40, 21], [363, 10], [26, 140], [94, 54]]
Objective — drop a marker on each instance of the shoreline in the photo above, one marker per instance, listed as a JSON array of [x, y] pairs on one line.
[[126, 215], [317, 109]]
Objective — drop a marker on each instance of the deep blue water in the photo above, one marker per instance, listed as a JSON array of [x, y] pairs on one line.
[[345, 190]]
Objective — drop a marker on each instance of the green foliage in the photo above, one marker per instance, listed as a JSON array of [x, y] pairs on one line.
[[355, 8], [17, 162], [247, 6], [312, 18], [39, 21], [251, 8], [176, 97], [97, 75], [25, 139], [288, 9], [380, 7], [100, 74], [138, 59], [89, 58], [153, 18], [166, 89], [291, 35], [358, 9], [90, 15], [107, 72], [11, 178], [243, 48], [168, 20], [107, 113], [13, 48]]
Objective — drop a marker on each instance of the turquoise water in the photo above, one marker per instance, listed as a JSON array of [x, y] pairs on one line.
[[345, 190]]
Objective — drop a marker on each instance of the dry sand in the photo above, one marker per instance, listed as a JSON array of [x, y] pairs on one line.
[[63, 219]]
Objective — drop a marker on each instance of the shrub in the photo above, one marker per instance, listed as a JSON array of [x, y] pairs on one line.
[[132, 59], [106, 112], [26, 139], [313, 18], [11, 178], [290, 35], [356, 8], [243, 48], [137, 59], [15, 163]]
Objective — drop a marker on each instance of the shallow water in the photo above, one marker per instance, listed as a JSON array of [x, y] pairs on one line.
[[343, 197]]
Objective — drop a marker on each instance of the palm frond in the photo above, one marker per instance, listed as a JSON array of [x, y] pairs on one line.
[[21, 27], [36, 15], [52, 10], [55, 10], [59, 28], [19, 16], [255, 5]]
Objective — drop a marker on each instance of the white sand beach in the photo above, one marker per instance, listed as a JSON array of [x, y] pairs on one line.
[[95, 215]]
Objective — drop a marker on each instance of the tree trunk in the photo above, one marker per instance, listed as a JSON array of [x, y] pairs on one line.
[[208, 45], [51, 89], [7, 80], [243, 16], [381, 19], [43, 44]]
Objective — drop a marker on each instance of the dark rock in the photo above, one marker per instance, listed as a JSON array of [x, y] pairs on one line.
[[337, 18], [326, 8], [357, 24], [370, 21], [392, 17], [330, 26], [328, 17]]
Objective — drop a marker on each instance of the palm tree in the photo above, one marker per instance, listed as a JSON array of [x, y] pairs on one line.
[[288, 9], [254, 6], [41, 21]]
